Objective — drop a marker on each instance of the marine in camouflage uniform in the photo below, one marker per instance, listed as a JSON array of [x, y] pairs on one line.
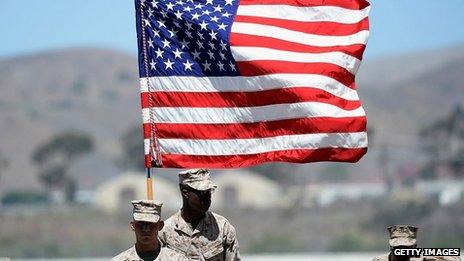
[[194, 231], [404, 236], [146, 223]]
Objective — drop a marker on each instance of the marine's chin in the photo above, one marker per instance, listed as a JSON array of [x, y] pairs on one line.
[[147, 239], [205, 208]]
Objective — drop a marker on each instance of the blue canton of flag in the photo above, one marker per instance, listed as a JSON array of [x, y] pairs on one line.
[[186, 37]]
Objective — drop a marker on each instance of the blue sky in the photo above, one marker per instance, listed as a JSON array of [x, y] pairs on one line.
[[397, 26]]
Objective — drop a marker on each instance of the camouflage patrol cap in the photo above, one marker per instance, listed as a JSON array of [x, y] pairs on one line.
[[199, 179], [146, 210], [402, 235]]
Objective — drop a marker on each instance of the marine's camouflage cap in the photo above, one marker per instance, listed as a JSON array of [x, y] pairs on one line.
[[402, 235], [146, 210], [199, 179]]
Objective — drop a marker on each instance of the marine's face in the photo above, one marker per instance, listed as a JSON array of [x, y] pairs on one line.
[[199, 200], [146, 232]]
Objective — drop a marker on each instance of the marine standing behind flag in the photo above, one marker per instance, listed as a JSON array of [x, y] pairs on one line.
[[228, 83], [194, 231]]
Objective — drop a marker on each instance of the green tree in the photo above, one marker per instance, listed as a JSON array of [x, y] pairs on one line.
[[443, 144], [55, 156]]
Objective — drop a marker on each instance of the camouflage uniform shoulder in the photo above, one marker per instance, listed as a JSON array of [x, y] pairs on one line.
[[381, 258], [220, 219], [172, 219], [167, 254], [129, 254], [168, 229]]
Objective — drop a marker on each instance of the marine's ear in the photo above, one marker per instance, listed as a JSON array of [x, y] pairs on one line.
[[160, 224], [132, 225], [184, 192]]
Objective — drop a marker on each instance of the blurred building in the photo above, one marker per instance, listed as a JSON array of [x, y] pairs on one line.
[[245, 189], [445, 191], [119, 191], [323, 194]]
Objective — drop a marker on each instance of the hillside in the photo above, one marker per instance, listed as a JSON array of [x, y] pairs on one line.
[[96, 91], [400, 96], [401, 68], [91, 90]]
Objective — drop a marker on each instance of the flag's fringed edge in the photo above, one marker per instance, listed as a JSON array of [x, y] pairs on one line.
[[156, 154]]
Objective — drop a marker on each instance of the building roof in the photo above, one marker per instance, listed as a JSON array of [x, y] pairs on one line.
[[244, 188], [120, 190]]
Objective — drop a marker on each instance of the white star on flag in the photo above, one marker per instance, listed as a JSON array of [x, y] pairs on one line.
[[170, 6], [195, 16], [177, 53], [166, 43], [159, 53], [168, 64], [161, 24], [196, 54], [222, 26], [155, 32], [207, 65], [221, 66], [178, 14], [188, 65], [213, 35], [203, 25]]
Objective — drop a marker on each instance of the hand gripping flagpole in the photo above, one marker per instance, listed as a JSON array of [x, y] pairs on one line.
[[154, 151]]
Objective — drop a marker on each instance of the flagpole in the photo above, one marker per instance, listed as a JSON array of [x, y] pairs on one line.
[[149, 185]]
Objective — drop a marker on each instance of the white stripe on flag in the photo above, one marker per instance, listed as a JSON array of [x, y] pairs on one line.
[[248, 114], [247, 84], [146, 146], [346, 61], [300, 37], [305, 14], [261, 145]]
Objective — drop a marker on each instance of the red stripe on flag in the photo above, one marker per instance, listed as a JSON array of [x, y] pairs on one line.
[[148, 161], [146, 130], [244, 99], [234, 161], [318, 28], [347, 4], [259, 129], [237, 39], [263, 67]]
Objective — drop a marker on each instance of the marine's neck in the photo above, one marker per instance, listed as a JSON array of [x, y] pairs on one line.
[[145, 248], [391, 257], [191, 216]]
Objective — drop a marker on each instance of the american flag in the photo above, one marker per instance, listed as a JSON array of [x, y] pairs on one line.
[[233, 83]]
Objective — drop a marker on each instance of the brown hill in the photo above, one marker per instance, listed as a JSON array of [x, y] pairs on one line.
[[401, 96], [91, 90]]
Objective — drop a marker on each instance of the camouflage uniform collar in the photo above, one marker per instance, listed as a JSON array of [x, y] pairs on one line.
[[184, 227], [390, 257]]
